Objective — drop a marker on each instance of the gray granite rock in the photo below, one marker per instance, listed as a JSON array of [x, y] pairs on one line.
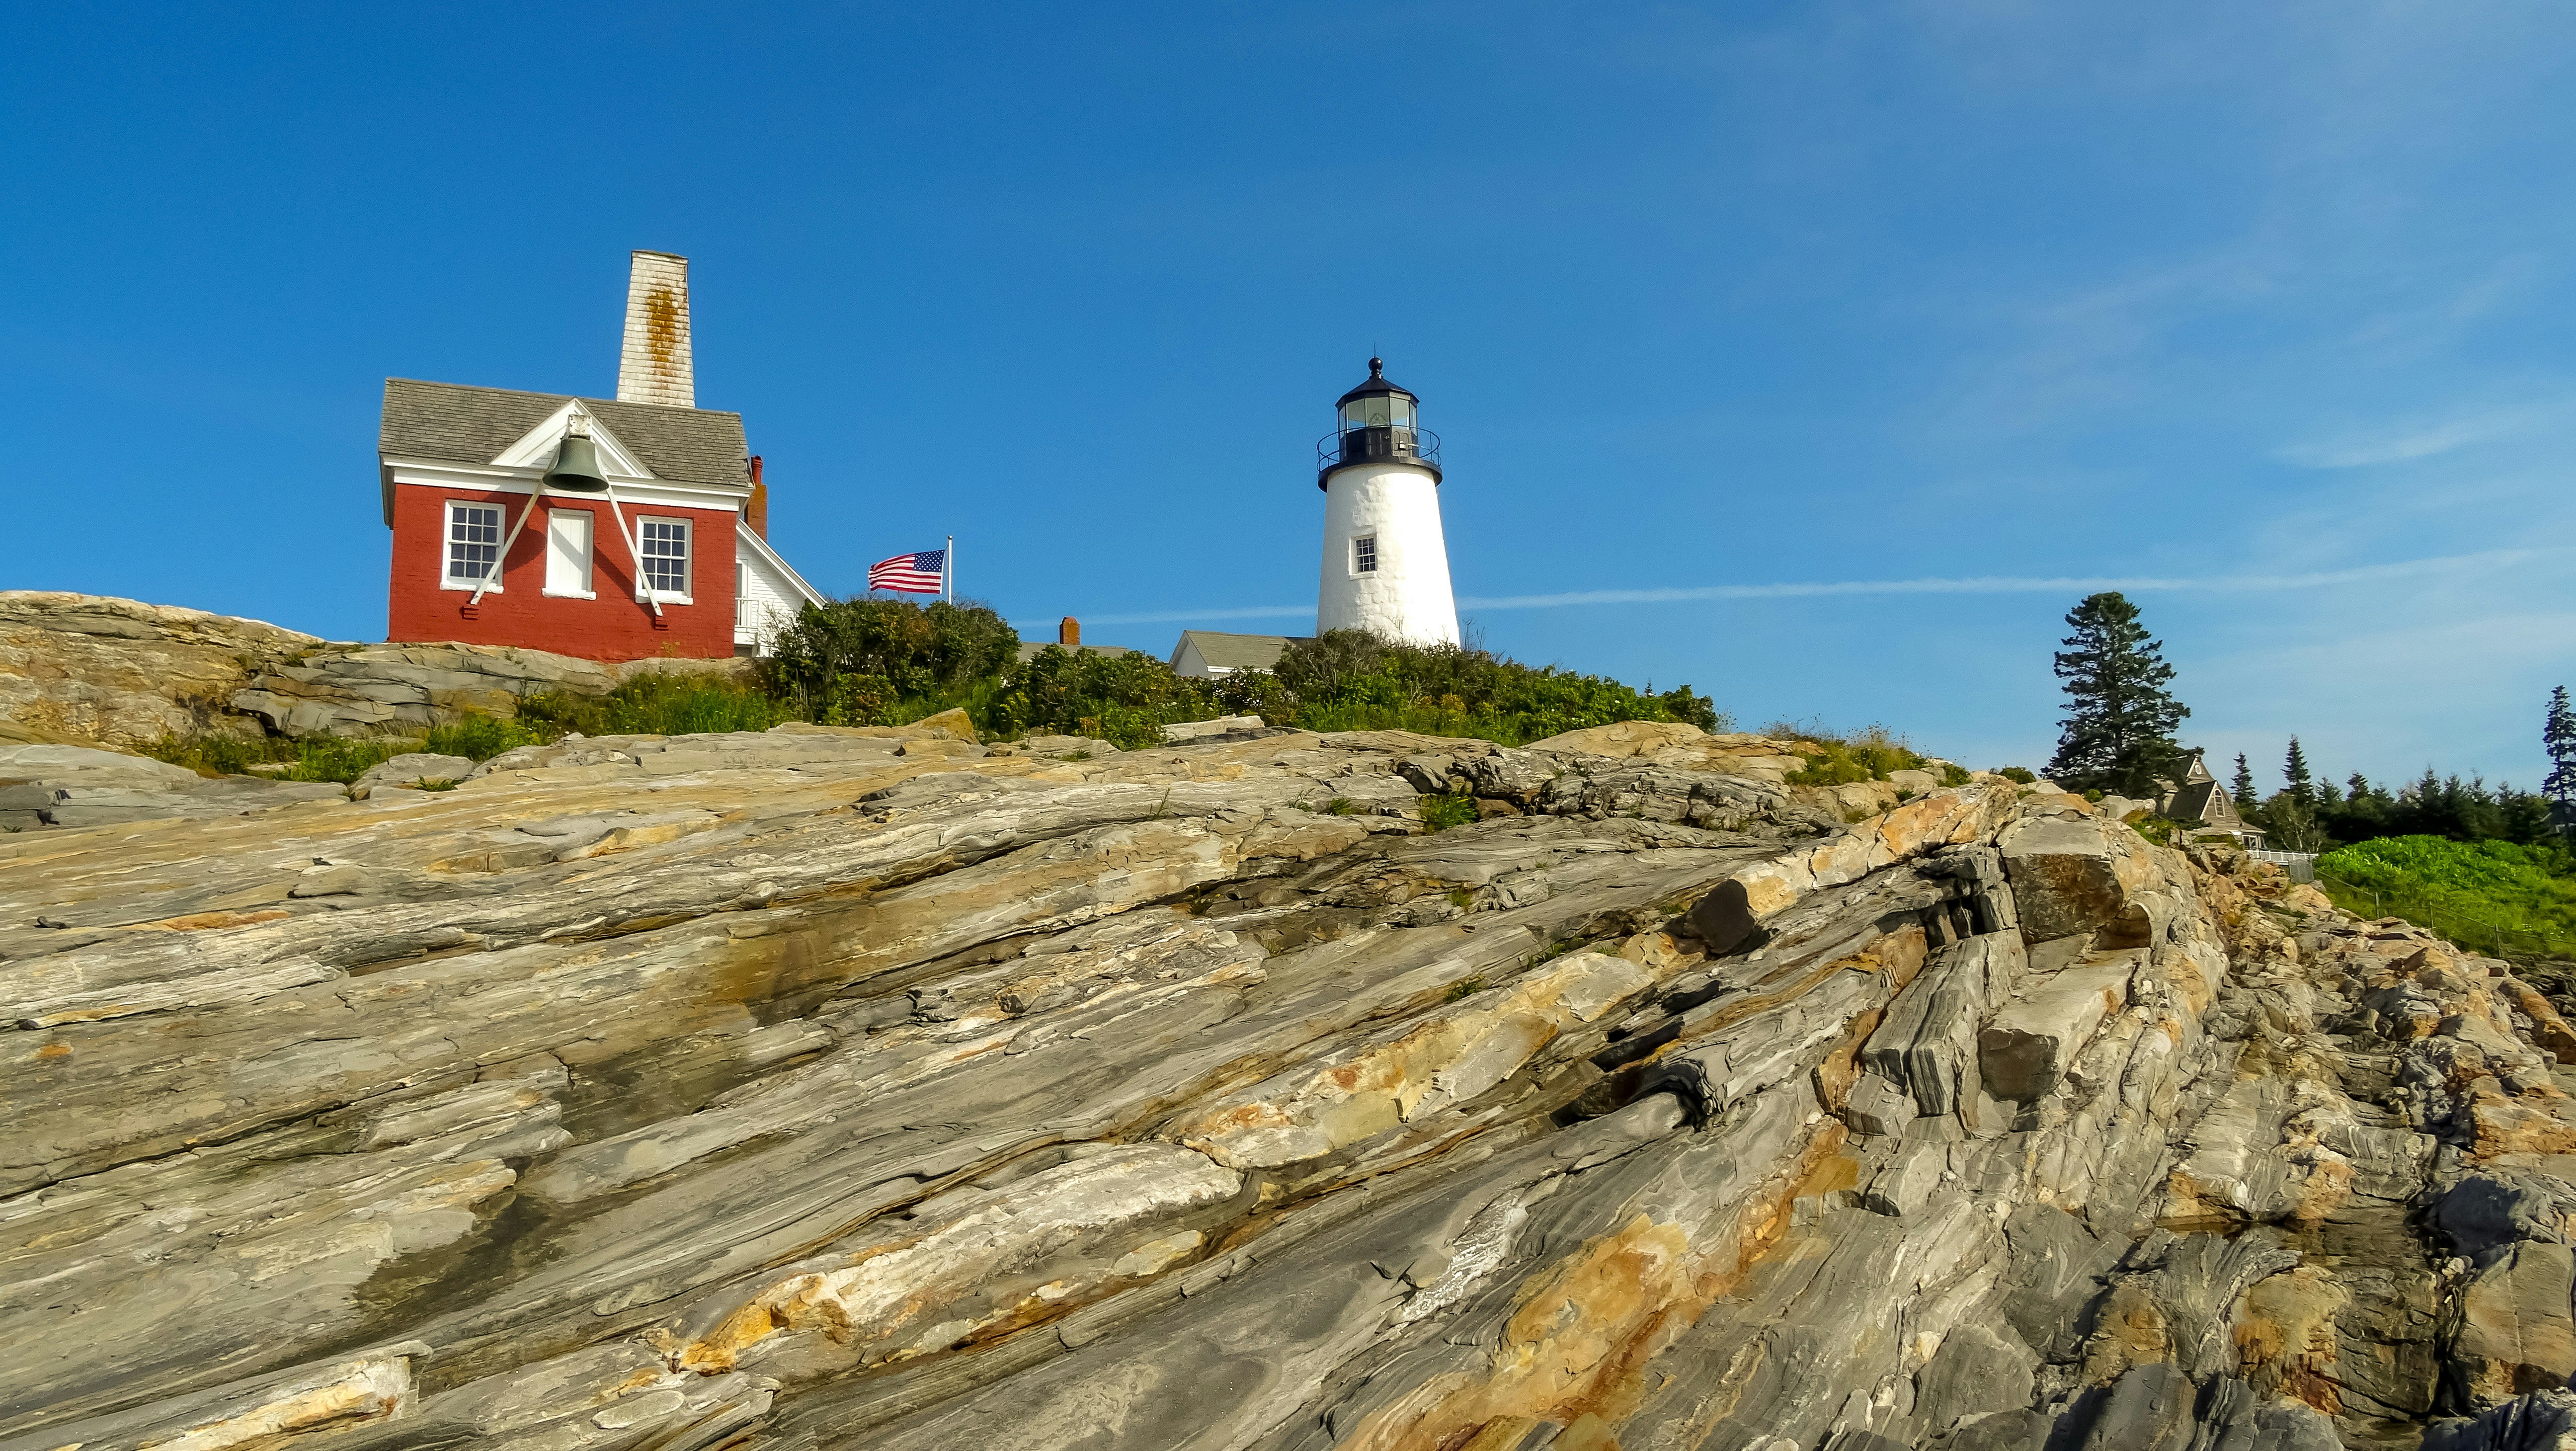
[[817, 1088], [412, 768]]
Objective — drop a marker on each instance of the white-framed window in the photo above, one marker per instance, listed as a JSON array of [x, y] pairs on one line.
[[568, 536], [1364, 554], [665, 550], [473, 544]]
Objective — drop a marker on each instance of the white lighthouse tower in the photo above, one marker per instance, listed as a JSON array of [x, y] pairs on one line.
[[1386, 564]]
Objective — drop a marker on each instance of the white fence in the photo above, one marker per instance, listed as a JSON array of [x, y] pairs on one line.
[[2301, 865]]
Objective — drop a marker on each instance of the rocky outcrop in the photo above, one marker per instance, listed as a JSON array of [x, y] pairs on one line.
[[823, 1088], [119, 672], [88, 668], [48, 785]]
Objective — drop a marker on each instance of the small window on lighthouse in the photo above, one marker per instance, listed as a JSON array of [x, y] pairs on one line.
[[1364, 554]]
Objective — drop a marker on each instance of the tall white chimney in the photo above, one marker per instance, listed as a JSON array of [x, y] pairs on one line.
[[655, 366]]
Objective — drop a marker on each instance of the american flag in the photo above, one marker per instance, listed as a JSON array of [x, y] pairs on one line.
[[919, 574]]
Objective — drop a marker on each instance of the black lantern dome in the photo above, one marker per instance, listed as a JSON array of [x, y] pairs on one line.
[[1379, 422]]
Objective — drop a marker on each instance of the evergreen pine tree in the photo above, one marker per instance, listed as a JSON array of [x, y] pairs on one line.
[[2558, 737], [2242, 788], [2303, 786], [2120, 717]]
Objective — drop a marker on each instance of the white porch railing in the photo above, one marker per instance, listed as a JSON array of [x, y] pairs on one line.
[[2301, 865]]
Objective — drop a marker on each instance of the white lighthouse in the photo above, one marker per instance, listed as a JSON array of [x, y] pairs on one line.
[[1386, 563]]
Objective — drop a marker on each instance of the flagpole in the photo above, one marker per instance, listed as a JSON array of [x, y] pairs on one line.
[[949, 584]]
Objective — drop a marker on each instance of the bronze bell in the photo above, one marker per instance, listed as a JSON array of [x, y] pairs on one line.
[[576, 467]]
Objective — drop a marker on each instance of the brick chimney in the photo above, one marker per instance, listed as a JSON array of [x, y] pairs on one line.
[[755, 510], [655, 365], [1068, 633]]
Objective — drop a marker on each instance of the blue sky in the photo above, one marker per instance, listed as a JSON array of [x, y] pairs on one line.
[[1793, 351]]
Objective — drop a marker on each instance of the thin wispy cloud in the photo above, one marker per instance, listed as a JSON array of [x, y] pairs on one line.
[[1991, 584], [2407, 445]]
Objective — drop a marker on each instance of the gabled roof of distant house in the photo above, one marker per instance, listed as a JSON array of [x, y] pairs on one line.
[[1222, 651], [2195, 801], [460, 423]]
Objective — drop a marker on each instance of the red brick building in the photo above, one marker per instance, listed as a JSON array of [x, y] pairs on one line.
[[669, 558]]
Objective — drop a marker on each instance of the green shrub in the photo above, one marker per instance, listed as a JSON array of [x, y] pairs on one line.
[[1341, 806], [1125, 700], [1439, 813], [2156, 829], [653, 704], [861, 661], [1353, 680], [481, 737], [1953, 774], [2022, 774], [1465, 987]]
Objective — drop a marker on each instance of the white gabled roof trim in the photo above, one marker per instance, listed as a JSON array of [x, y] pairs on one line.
[[743, 535], [535, 448]]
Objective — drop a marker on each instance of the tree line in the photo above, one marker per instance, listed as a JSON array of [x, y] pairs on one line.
[[2118, 736], [874, 661]]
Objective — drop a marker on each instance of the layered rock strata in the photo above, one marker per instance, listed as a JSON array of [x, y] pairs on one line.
[[90, 668], [820, 1088]]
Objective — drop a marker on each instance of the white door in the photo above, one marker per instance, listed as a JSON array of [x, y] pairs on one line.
[[568, 552]]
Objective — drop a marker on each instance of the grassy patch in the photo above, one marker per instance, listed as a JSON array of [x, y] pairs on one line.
[[2491, 896], [221, 755], [1439, 813], [1461, 898], [1341, 806], [1848, 757], [1466, 987], [342, 758]]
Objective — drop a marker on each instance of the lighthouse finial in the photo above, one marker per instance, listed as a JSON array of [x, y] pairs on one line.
[[1377, 367]]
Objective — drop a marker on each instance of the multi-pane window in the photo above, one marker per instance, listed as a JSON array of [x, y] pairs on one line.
[[1364, 554], [473, 543], [666, 555]]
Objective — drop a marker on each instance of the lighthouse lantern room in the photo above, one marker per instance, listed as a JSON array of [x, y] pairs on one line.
[[1386, 563]]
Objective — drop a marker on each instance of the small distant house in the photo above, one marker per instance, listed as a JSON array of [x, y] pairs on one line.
[[2197, 800], [1068, 635], [611, 529], [1210, 653]]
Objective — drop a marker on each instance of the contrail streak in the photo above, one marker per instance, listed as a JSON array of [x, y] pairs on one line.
[[1935, 585], [2017, 584]]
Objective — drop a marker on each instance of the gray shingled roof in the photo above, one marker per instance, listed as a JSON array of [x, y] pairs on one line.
[[464, 424], [1222, 651]]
